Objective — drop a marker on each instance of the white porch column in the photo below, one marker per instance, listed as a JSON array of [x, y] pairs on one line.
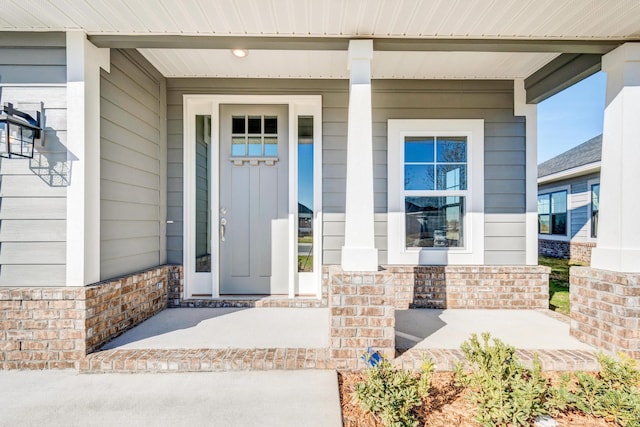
[[618, 246], [359, 252], [530, 111], [84, 61]]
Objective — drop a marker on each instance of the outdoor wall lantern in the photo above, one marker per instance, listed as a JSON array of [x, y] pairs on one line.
[[18, 132]]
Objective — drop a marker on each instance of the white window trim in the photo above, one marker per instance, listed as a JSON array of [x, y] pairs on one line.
[[590, 183], [473, 251], [557, 237], [308, 284]]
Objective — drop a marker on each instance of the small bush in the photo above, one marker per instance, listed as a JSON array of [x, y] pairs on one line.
[[613, 394], [505, 391], [391, 393]]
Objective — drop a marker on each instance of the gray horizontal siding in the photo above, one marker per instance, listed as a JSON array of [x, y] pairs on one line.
[[131, 165], [392, 99], [33, 205], [32, 58]]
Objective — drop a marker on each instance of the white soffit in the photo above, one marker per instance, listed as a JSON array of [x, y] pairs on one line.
[[333, 64], [532, 19], [559, 19]]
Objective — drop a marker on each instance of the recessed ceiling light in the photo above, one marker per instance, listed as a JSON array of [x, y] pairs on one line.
[[239, 53]]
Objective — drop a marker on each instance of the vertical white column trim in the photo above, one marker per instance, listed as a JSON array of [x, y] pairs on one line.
[[530, 112], [618, 244], [359, 252], [84, 61]]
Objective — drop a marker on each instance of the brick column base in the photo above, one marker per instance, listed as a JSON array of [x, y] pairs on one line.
[[362, 315], [605, 309]]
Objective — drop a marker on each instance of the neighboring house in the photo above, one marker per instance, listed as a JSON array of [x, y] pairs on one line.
[[569, 202], [178, 140]]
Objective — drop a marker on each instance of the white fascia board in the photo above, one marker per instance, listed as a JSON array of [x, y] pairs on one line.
[[570, 173]]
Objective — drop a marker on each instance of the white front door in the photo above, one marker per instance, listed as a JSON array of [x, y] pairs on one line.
[[254, 235]]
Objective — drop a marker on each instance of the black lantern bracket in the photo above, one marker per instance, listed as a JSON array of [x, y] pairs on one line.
[[18, 132]]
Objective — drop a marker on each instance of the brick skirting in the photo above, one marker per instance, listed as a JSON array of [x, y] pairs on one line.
[[57, 327], [579, 252], [605, 309], [470, 286]]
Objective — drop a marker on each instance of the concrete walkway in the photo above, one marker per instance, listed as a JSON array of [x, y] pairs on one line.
[[268, 398]]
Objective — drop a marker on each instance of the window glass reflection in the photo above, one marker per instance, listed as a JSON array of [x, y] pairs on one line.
[[305, 193], [418, 150], [418, 177], [433, 222], [203, 193]]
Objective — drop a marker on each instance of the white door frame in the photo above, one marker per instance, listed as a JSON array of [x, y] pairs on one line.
[[298, 105]]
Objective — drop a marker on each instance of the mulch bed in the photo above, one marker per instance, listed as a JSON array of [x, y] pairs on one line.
[[446, 406]]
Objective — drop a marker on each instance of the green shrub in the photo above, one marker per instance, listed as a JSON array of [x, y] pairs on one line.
[[505, 391], [613, 394], [391, 393]]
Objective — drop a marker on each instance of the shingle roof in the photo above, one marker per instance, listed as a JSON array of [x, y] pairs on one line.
[[583, 154]]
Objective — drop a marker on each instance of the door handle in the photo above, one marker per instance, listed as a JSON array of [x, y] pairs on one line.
[[223, 228]]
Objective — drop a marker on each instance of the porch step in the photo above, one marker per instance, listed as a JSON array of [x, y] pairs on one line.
[[551, 360], [205, 360], [262, 359]]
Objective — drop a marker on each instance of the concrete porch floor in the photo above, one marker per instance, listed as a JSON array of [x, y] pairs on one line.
[[219, 328], [241, 339], [448, 329]]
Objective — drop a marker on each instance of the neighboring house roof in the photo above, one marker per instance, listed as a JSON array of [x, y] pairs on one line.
[[303, 209], [584, 154]]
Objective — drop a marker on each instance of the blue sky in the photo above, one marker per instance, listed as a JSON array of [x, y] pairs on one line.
[[571, 117]]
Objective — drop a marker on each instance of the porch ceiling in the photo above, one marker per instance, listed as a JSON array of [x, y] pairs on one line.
[[428, 39], [333, 64], [512, 19]]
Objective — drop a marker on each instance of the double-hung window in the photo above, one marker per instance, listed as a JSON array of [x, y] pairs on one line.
[[435, 190], [552, 213]]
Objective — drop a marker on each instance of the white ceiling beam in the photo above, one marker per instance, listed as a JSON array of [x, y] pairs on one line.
[[342, 43]]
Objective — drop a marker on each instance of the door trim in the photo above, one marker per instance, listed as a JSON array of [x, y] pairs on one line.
[[308, 105]]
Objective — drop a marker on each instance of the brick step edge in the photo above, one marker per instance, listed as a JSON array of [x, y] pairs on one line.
[[205, 360], [551, 360]]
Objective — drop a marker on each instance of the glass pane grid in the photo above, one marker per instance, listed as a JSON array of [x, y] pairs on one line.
[[435, 163], [254, 136]]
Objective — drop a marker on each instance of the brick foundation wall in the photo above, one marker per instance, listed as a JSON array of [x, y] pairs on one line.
[[605, 309], [362, 315], [575, 251], [497, 286], [470, 286], [115, 306], [49, 328], [581, 252], [41, 328], [554, 248]]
